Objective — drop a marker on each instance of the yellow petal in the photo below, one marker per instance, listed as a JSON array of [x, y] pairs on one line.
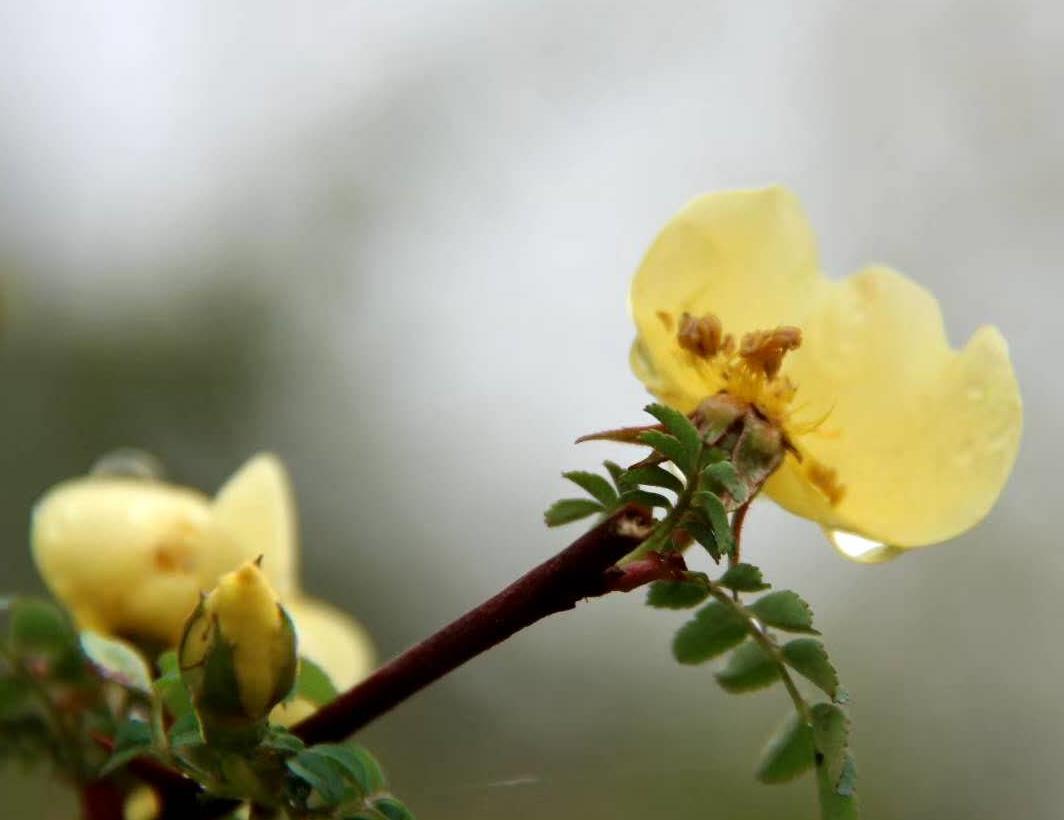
[[921, 437], [122, 554], [747, 256], [254, 514], [333, 640]]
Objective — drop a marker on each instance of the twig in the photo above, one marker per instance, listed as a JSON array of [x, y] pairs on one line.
[[577, 572]]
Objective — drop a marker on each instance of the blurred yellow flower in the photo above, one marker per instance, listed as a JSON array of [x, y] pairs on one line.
[[130, 557], [897, 440]]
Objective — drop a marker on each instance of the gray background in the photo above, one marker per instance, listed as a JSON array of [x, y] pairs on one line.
[[392, 241]]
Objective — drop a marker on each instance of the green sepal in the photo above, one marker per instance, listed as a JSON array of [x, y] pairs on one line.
[[594, 485], [570, 509], [784, 610], [788, 753], [185, 731], [715, 416], [759, 451], [749, 668], [714, 630], [684, 594], [809, 658], [170, 686], [743, 578]]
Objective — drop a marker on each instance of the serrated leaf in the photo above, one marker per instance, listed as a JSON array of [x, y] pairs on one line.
[[717, 516], [653, 476], [282, 740], [699, 529], [677, 594], [831, 733], [357, 764], [722, 475], [647, 499], [749, 668], [809, 658], [313, 684], [117, 661], [714, 630], [570, 509], [321, 773], [680, 426], [837, 798], [784, 610], [392, 809], [594, 485], [133, 738], [743, 578], [616, 472], [789, 752], [668, 446]]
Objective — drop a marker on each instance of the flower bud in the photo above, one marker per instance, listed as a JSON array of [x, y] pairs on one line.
[[238, 656]]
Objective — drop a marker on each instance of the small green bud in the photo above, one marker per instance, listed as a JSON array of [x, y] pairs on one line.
[[238, 656]]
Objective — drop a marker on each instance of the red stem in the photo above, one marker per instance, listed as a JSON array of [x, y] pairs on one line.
[[101, 800], [579, 571]]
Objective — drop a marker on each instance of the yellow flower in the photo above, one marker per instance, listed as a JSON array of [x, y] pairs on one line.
[[238, 650], [130, 557], [897, 439]]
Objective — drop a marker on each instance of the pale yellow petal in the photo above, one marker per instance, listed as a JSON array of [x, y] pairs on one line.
[[921, 437], [747, 256], [333, 640], [122, 554], [254, 514]]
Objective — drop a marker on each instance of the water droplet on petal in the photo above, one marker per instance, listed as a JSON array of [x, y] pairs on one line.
[[861, 549]]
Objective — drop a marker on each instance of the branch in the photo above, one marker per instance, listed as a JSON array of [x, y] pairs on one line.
[[581, 570]]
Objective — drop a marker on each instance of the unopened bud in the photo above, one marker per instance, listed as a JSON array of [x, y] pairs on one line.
[[238, 656]]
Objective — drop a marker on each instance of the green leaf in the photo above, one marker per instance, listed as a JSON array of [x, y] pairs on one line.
[[313, 684], [133, 738], [570, 509], [321, 773], [837, 800], [681, 427], [678, 594], [647, 499], [392, 809], [722, 475], [831, 733], [784, 610], [282, 740], [39, 627], [715, 512], [749, 668], [117, 661], [809, 658], [595, 486], [357, 764], [699, 529], [654, 476], [14, 696], [668, 446], [186, 731], [714, 630], [743, 578], [616, 472], [789, 753], [171, 687]]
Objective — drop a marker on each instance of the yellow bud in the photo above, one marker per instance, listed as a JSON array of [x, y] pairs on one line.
[[238, 653]]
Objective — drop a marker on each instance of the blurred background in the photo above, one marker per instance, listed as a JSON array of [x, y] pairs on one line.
[[391, 242]]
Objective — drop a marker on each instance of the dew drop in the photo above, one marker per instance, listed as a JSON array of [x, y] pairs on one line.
[[859, 548]]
